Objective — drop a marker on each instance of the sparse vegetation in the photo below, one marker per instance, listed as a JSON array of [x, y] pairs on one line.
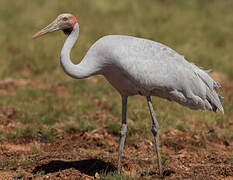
[[35, 148], [114, 177], [6, 162], [114, 127], [25, 162], [86, 125], [164, 159], [230, 159], [180, 127]]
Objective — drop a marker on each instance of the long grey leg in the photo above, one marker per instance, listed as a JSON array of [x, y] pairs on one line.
[[122, 132], [155, 131]]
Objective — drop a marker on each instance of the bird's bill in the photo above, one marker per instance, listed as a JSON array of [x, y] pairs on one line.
[[50, 28]]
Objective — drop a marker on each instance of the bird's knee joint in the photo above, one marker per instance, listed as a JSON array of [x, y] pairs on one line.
[[123, 130], [154, 130]]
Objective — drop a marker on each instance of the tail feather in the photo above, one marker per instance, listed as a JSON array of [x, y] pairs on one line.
[[217, 85], [211, 86], [215, 100]]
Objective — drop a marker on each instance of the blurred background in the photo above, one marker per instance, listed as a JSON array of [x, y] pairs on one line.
[[39, 102]]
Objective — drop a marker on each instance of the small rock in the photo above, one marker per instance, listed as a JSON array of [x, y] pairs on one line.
[[97, 176]]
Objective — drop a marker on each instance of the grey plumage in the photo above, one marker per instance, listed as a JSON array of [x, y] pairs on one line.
[[140, 66]]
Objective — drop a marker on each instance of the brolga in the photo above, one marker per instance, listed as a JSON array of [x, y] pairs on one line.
[[137, 66]]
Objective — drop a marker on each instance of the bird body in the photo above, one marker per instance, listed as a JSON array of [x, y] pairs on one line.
[[140, 66], [137, 66]]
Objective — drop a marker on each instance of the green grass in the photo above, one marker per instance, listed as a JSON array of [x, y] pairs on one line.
[[193, 148], [35, 148], [187, 27], [25, 163], [7, 162], [165, 157], [114, 176], [25, 132], [230, 159], [201, 30], [86, 125], [114, 127]]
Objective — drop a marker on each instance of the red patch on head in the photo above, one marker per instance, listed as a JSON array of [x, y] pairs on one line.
[[75, 20]]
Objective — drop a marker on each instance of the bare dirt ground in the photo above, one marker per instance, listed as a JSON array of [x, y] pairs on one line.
[[86, 155], [78, 154]]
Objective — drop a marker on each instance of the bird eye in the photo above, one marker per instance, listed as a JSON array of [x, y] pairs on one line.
[[65, 19]]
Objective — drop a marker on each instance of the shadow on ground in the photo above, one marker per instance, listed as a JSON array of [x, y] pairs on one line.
[[88, 166]]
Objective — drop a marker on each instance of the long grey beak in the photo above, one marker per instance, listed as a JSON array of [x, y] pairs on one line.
[[50, 28]]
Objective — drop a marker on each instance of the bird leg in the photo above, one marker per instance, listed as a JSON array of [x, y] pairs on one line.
[[155, 131], [122, 132]]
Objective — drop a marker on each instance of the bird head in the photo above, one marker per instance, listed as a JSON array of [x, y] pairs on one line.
[[65, 22]]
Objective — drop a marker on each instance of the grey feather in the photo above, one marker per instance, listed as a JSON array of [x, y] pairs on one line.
[[137, 66], [134, 65]]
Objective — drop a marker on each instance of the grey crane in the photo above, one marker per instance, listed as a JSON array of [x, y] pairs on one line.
[[137, 66]]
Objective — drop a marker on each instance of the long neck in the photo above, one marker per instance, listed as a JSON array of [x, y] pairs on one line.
[[78, 71]]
